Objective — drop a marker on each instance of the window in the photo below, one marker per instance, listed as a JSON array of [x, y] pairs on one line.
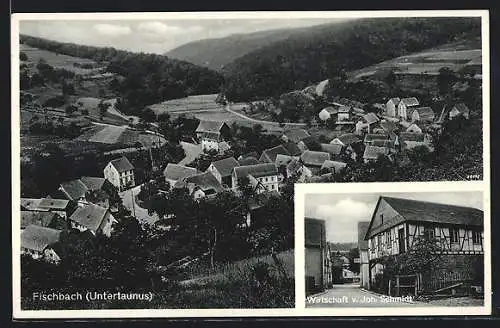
[[476, 237], [266, 179], [381, 218], [388, 239], [454, 235], [272, 186], [430, 233]]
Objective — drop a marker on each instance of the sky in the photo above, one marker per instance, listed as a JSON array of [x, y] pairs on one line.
[[343, 211], [153, 36]]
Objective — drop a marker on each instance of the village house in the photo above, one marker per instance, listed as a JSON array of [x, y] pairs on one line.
[[398, 225], [201, 185], [335, 150], [364, 266], [371, 137], [296, 168], [351, 144], [222, 170], [269, 155], [314, 160], [62, 207], [413, 128], [211, 134], [294, 135], [332, 167], [391, 107], [292, 148], [344, 113], [459, 109], [40, 218], [411, 140], [248, 161], [263, 177], [282, 162], [326, 113], [175, 172], [77, 190], [93, 218], [388, 126], [317, 265], [37, 242], [372, 153], [120, 172], [422, 114], [367, 122], [404, 105]]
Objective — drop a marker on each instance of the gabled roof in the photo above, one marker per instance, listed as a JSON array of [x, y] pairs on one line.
[[370, 118], [338, 166], [89, 216], [282, 160], [74, 189], [384, 143], [178, 172], [348, 139], [422, 211], [375, 136], [205, 181], [395, 101], [39, 218], [210, 126], [332, 149], [258, 170], [251, 154], [424, 113], [412, 136], [248, 161], [270, 154], [362, 229], [30, 203], [122, 164], [314, 158], [411, 101], [295, 135], [294, 166], [330, 110], [292, 148], [93, 183], [225, 166], [388, 126], [344, 109], [50, 203], [373, 152], [38, 238]]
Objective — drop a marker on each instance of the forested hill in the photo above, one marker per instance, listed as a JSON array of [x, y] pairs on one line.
[[216, 53], [148, 78], [324, 51]]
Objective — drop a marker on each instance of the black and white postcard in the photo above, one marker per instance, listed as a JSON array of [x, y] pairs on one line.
[[156, 156]]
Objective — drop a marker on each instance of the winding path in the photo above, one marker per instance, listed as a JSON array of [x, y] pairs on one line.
[[228, 108]]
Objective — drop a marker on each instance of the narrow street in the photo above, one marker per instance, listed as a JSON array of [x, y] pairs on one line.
[[351, 295], [128, 197]]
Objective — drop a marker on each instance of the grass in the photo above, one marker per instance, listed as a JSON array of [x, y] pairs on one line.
[[188, 104], [56, 60], [454, 56]]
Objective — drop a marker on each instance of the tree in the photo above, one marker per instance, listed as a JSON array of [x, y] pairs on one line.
[[445, 79], [70, 109], [103, 108], [23, 56], [390, 79]]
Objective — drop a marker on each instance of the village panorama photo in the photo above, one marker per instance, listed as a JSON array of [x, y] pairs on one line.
[[395, 249], [155, 155]]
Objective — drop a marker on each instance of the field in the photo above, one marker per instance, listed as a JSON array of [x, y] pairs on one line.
[[188, 104], [108, 134], [455, 56], [57, 60]]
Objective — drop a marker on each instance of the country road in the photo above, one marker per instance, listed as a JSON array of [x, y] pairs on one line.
[[128, 197], [350, 295], [228, 108]]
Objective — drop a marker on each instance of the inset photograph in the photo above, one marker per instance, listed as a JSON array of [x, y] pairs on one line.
[[421, 249]]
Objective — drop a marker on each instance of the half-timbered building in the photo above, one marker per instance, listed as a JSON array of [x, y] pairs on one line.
[[397, 225]]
